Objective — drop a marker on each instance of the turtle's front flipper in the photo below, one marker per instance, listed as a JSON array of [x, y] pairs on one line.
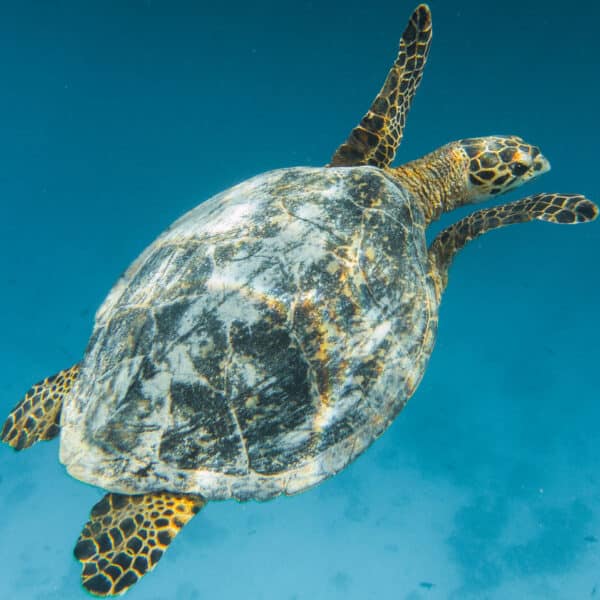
[[37, 416], [376, 138], [126, 536], [555, 208]]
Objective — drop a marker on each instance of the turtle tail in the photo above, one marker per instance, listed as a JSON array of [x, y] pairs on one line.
[[554, 208], [37, 416]]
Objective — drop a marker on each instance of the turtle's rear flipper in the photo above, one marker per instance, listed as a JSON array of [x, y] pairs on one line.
[[555, 208], [37, 416], [127, 535]]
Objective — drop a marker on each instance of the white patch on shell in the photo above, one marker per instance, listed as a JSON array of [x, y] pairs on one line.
[[232, 218], [123, 379], [330, 414], [300, 228], [226, 212], [249, 375], [225, 280], [310, 212], [157, 388], [180, 362], [333, 191], [375, 338]]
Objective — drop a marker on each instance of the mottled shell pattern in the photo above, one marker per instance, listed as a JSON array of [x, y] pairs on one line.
[[261, 343]]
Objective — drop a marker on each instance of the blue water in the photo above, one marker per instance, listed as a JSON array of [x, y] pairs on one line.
[[118, 117]]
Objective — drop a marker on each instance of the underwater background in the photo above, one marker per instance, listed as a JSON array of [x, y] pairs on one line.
[[117, 117]]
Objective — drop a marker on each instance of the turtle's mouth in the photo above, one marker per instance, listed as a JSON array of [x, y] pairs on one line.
[[541, 165]]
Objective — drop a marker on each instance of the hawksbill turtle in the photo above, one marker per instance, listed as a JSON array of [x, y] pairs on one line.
[[272, 333]]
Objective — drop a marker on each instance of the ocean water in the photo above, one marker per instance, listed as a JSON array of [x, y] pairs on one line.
[[118, 117]]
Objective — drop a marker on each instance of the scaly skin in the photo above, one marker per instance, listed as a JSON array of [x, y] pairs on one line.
[[376, 138], [563, 209], [37, 416], [469, 171], [127, 535]]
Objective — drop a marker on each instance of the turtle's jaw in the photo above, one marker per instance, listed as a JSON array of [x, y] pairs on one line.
[[541, 165]]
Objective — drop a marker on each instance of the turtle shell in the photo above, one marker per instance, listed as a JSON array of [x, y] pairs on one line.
[[259, 344]]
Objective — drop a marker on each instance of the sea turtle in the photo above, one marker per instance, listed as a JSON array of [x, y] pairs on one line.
[[270, 335]]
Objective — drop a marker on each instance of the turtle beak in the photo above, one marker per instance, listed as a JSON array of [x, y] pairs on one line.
[[541, 165]]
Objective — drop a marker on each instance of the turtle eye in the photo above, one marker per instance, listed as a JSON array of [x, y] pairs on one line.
[[518, 169]]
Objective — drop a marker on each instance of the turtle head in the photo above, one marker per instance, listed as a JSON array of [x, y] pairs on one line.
[[468, 171], [499, 163]]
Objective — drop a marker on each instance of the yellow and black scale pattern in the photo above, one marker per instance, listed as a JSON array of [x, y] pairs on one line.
[[375, 140], [37, 416], [562, 209], [497, 166], [293, 319], [126, 536]]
